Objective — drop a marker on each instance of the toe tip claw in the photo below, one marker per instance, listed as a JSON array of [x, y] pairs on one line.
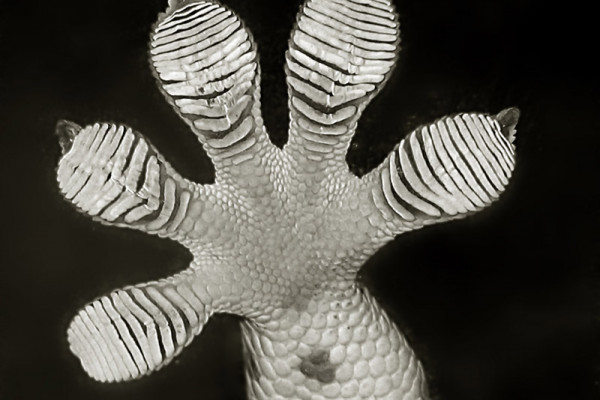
[[66, 132], [508, 119]]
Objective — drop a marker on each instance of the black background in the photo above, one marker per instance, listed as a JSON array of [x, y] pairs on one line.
[[502, 305]]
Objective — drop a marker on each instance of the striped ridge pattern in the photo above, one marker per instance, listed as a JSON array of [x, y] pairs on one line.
[[207, 65], [455, 166], [340, 53], [113, 174], [136, 330]]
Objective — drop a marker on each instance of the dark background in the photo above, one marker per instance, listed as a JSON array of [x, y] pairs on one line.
[[501, 306]]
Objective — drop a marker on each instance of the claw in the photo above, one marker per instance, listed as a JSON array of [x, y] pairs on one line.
[[508, 120], [66, 132]]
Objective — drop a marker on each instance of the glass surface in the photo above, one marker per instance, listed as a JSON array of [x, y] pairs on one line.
[[502, 305]]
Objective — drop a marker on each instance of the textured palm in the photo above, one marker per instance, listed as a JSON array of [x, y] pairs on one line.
[[281, 234]]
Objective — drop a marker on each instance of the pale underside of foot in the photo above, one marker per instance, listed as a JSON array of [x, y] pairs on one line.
[[280, 235]]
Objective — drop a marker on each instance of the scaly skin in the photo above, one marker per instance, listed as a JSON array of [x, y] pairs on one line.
[[280, 236]]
